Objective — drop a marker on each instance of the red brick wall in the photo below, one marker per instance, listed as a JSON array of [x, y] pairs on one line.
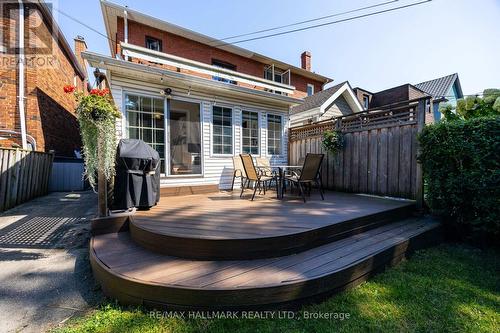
[[186, 48], [50, 116]]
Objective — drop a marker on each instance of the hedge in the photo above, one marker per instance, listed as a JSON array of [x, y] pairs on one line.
[[461, 164]]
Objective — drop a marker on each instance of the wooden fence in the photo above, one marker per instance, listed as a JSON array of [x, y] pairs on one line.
[[24, 176], [380, 150]]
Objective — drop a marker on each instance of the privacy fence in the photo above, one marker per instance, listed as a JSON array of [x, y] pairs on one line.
[[380, 150], [24, 176]]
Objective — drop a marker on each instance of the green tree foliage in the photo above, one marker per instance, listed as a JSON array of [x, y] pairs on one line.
[[474, 106], [461, 163]]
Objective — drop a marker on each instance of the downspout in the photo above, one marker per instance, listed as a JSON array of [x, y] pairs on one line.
[[125, 29], [21, 82]]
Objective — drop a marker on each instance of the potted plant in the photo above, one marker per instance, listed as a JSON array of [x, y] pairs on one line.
[[96, 114]]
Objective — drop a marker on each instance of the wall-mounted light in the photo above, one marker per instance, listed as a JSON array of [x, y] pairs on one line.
[[167, 92]]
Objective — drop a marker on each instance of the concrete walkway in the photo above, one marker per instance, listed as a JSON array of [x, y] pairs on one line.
[[45, 277]]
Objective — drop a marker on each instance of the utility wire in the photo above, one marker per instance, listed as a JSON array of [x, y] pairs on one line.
[[308, 21], [324, 24]]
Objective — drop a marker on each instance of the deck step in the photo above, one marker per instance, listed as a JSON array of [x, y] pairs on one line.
[[135, 275], [229, 228]]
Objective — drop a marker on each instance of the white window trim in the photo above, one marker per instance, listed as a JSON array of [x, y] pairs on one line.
[[282, 153], [310, 85], [212, 154], [259, 135]]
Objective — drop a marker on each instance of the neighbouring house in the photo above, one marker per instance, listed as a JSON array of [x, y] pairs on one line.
[[198, 101], [34, 111], [338, 100], [442, 90]]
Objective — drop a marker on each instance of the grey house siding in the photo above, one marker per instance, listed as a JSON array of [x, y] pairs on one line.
[[339, 107]]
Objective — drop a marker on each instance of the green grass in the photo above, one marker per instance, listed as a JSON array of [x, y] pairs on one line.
[[449, 288]]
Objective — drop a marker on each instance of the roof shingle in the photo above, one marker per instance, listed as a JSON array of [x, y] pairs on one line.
[[316, 100], [438, 87]]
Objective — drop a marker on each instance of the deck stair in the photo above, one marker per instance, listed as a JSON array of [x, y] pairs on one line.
[[206, 264]]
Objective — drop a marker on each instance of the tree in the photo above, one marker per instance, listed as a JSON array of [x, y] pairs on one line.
[[474, 106]]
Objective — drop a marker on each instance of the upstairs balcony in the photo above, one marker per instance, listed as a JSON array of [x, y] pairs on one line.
[[216, 72]]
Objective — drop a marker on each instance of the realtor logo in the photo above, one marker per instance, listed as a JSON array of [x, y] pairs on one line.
[[40, 28]]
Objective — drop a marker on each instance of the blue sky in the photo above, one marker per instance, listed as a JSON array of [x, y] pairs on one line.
[[406, 46]]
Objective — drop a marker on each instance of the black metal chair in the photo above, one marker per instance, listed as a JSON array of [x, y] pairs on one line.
[[309, 175], [252, 175]]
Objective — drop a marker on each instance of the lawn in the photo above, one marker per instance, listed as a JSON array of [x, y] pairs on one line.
[[449, 288]]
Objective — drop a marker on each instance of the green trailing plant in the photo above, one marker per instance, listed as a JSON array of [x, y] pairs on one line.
[[474, 106], [461, 164], [97, 114], [333, 141]]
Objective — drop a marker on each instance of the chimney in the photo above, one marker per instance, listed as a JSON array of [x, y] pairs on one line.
[[305, 60], [80, 46]]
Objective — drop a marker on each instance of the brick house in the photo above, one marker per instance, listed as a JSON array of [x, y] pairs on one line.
[[198, 101], [32, 102]]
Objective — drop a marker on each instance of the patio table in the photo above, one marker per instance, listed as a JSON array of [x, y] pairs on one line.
[[281, 175]]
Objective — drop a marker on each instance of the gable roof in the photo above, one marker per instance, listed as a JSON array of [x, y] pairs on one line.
[[111, 11], [439, 87], [318, 99]]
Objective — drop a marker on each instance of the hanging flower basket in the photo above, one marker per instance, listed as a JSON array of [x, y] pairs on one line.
[[333, 141], [96, 114]]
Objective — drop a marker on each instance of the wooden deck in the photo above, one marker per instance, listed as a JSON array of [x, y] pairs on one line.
[[223, 226], [302, 251]]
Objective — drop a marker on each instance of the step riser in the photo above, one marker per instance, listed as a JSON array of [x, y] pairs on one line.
[[129, 291], [241, 249]]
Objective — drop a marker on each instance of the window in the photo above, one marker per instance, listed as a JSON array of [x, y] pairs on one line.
[[250, 132], [366, 101], [185, 138], [222, 130], [225, 65], [146, 121], [274, 134], [310, 89], [153, 44], [277, 75]]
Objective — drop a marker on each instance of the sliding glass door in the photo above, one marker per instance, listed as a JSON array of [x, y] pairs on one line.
[[184, 138]]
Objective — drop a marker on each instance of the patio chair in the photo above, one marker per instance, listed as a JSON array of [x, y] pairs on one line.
[[239, 171], [264, 167], [309, 175], [252, 175]]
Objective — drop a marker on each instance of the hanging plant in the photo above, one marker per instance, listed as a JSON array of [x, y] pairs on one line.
[[333, 141], [96, 114]]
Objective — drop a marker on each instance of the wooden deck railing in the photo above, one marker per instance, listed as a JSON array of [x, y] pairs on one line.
[[24, 176], [380, 150]]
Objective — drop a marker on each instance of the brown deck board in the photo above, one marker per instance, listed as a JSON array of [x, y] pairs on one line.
[[224, 226], [163, 279]]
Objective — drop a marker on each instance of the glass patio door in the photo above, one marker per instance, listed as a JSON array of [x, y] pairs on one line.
[[184, 138]]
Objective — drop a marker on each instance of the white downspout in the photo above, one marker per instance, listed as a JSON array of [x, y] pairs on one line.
[[21, 82], [125, 29]]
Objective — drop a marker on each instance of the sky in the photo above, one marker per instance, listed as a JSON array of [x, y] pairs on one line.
[[411, 45]]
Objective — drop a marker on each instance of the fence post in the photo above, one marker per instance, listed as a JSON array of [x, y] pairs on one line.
[[419, 195]]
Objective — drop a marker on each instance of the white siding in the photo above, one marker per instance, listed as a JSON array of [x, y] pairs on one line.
[[216, 169]]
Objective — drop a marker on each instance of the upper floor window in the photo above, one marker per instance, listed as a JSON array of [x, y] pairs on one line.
[[275, 74], [310, 89], [366, 101], [153, 44], [274, 134], [225, 65], [222, 130]]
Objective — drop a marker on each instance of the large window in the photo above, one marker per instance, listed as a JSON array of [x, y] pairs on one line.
[[274, 134], [250, 132], [222, 130], [146, 121], [185, 138], [153, 44]]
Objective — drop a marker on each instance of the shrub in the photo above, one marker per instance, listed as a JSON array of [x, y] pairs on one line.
[[333, 141], [461, 164]]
